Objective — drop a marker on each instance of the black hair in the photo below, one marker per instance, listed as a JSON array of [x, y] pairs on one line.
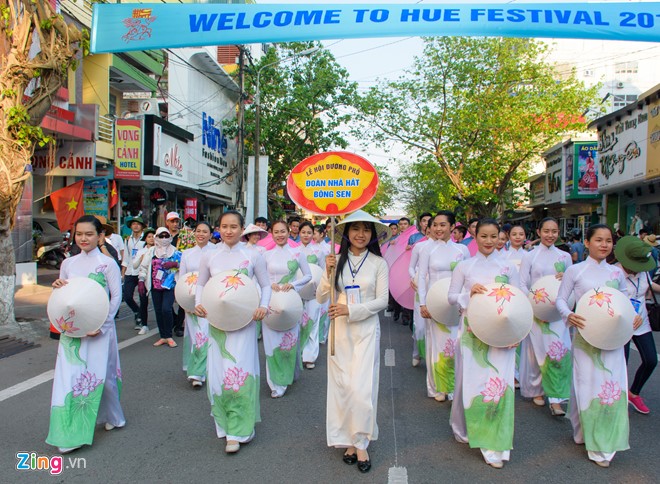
[[451, 216], [204, 223], [306, 224], [487, 221], [425, 214], [373, 246], [320, 228], [147, 231], [295, 218], [261, 220], [275, 222], [643, 230], [90, 219], [591, 231], [404, 218], [394, 224], [474, 219], [545, 220], [239, 215], [461, 228]]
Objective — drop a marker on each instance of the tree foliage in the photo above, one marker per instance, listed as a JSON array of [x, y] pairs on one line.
[[481, 109], [385, 196], [303, 104]]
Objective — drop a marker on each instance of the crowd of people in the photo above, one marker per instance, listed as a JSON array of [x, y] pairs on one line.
[[552, 365]]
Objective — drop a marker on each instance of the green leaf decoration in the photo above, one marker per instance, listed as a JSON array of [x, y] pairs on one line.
[[282, 365], [606, 427], [187, 343], [502, 279], [197, 360], [442, 327], [98, 277], [421, 348], [443, 374], [614, 283], [556, 376], [452, 265], [313, 259], [244, 272], [478, 348], [220, 338], [305, 331], [71, 347], [560, 267], [237, 412], [545, 327], [73, 424], [120, 384], [591, 351], [322, 322], [293, 266], [490, 424]]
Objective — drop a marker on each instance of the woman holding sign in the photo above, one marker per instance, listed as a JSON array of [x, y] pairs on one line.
[[87, 378], [362, 284], [232, 356], [282, 347]]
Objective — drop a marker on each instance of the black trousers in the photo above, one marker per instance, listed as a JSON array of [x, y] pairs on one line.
[[130, 283], [163, 300]]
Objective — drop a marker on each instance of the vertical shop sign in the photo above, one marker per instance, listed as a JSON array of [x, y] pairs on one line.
[[128, 149]]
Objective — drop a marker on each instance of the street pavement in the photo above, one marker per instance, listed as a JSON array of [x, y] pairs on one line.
[[170, 438]]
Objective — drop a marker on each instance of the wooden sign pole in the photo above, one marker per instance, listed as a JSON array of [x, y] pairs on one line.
[[333, 292]]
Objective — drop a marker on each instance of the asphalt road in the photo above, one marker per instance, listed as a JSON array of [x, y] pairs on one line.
[[169, 436]]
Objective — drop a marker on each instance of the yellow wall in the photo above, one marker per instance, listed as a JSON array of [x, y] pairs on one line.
[[96, 82]]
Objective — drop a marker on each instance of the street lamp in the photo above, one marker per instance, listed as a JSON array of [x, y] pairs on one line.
[[257, 129]]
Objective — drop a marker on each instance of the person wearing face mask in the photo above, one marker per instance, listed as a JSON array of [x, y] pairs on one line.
[[195, 341], [156, 275]]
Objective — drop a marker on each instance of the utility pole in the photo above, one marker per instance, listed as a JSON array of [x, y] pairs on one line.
[[240, 118], [257, 152]]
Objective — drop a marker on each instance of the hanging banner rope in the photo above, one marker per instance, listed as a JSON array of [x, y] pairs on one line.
[[130, 26]]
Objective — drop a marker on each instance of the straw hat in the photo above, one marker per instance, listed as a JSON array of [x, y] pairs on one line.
[[382, 231], [184, 291], [284, 310], [608, 316], [109, 229], [253, 229], [635, 254], [230, 299], [543, 296], [78, 308], [308, 291], [438, 305], [500, 317], [651, 240]]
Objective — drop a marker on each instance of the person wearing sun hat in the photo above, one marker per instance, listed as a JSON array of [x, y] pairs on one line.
[[129, 270], [253, 234], [362, 284], [635, 259], [652, 241]]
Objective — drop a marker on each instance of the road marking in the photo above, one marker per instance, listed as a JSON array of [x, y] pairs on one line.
[[47, 376], [389, 357], [397, 475]]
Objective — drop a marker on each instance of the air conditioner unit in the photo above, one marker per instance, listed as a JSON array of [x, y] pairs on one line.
[[619, 85], [149, 106]]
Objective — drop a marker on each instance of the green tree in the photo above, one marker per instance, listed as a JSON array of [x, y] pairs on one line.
[[37, 50], [385, 196], [304, 101], [424, 188], [482, 109]]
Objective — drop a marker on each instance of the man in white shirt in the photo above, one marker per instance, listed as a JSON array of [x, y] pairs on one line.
[[130, 273]]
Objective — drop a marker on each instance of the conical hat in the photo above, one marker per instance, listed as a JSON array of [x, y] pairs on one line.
[[253, 229], [308, 291], [284, 310], [543, 295], [230, 299], [78, 308], [438, 305], [500, 317], [184, 291], [608, 315], [382, 231]]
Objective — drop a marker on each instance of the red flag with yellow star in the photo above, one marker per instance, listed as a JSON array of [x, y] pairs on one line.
[[114, 196], [68, 205]]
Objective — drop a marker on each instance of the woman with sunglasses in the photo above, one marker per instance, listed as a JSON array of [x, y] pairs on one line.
[[156, 275]]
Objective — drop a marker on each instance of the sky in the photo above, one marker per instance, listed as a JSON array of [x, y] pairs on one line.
[[368, 60]]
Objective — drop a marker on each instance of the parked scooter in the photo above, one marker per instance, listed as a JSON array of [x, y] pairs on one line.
[[53, 254]]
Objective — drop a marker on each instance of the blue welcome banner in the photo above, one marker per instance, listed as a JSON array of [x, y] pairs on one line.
[[139, 26]]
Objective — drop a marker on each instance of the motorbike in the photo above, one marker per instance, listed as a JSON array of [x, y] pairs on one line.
[[53, 254]]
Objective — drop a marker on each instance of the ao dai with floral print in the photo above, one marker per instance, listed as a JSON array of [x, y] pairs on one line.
[[483, 409], [87, 381], [600, 380], [232, 356]]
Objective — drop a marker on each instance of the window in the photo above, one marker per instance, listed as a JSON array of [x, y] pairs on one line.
[[588, 73], [621, 100], [626, 67], [112, 107]]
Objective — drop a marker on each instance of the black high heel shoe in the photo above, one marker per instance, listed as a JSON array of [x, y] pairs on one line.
[[364, 465], [349, 459]]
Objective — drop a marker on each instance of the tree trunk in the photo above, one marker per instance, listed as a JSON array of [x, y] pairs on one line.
[[7, 280]]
